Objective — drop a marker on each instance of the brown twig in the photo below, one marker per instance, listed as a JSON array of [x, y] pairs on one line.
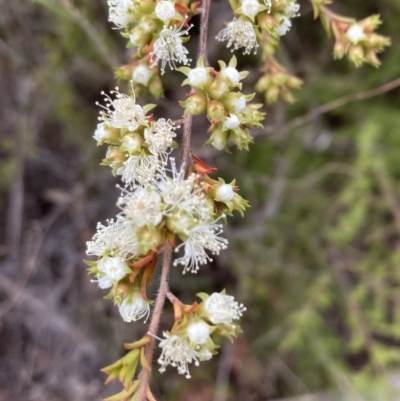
[[155, 320]]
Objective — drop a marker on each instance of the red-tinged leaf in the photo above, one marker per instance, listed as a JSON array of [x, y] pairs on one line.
[[143, 360], [200, 167]]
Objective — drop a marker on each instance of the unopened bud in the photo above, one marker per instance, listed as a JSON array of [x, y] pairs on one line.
[[139, 37], [131, 143], [231, 74], [142, 74], [155, 87], [195, 104], [232, 122], [199, 77], [219, 139], [219, 88], [165, 10], [356, 55], [149, 239], [148, 24], [215, 110], [106, 134], [234, 102]]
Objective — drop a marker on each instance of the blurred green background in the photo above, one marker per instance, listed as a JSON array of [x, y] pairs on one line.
[[315, 260]]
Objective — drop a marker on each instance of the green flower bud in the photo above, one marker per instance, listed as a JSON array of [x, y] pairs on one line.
[[114, 157], [155, 87], [106, 134], [149, 239], [139, 37], [180, 222], [144, 6], [131, 143], [219, 88], [148, 24], [215, 110], [356, 55], [195, 104], [234, 102], [219, 138], [264, 83]]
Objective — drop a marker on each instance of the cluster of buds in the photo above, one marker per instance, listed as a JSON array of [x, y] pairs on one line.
[[355, 39], [218, 95], [193, 337], [277, 83]]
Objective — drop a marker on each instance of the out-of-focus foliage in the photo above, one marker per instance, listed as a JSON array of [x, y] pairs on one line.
[[316, 260]]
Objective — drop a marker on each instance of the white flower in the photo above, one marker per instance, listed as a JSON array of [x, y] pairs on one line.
[[232, 74], [355, 34], [107, 238], [169, 48], [101, 132], [134, 307], [292, 9], [239, 34], [198, 76], [142, 74], [250, 8], [114, 267], [198, 332], [222, 308], [142, 207], [176, 352], [160, 137], [232, 122], [140, 169], [240, 104], [225, 193], [165, 10], [120, 12], [201, 237], [180, 194], [284, 26], [122, 112]]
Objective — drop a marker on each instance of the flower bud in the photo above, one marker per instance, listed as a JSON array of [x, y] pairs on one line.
[[250, 8], [219, 139], [131, 143], [180, 222], [264, 83], [155, 87], [144, 6], [115, 157], [106, 134], [372, 59], [272, 94], [142, 74], [339, 50], [139, 37], [215, 110], [294, 82], [195, 104], [198, 332], [149, 239], [199, 77], [234, 102], [356, 55], [355, 34], [224, 193], [148, 24], [218, 88], [231, 74], [232, 122], [165, 10]]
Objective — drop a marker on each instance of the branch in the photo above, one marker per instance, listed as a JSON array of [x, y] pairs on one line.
[[144, 391]]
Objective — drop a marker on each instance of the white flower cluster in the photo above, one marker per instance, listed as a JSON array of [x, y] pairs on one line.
[[146, 154], [194, 343], [290, 10], [176, 201], [169, 49], [181, 350], [239, 34], [222, 308]]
